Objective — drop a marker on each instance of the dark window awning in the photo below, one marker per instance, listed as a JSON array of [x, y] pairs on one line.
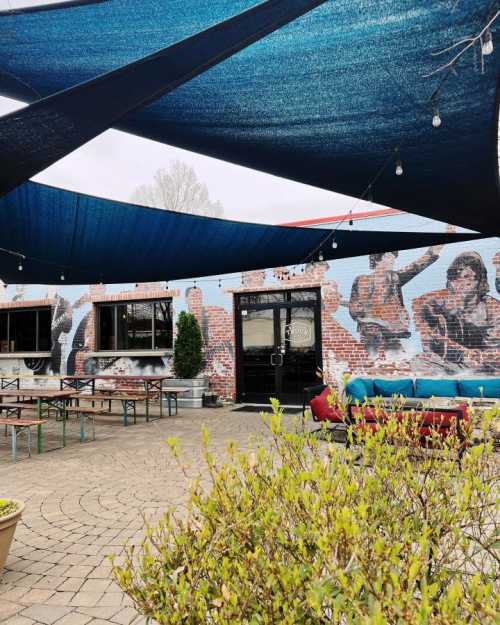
[[92, 240]]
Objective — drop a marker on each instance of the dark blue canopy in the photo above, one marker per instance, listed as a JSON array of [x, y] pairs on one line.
[[90, 240], [325, 100], [37, 136]]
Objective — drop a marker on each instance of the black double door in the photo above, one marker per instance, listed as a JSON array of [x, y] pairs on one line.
[[278, 345]]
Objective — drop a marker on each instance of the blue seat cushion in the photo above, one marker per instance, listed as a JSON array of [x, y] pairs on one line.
[[357, 390], [388, 388], [370, 387], [435, 388], [472, 388]]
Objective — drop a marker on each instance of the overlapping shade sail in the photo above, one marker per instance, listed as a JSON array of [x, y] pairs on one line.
[[89, 239], [325, 100], [37, 136]]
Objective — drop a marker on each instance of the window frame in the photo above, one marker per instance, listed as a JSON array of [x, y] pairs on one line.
[[115, 304], [37, 310]]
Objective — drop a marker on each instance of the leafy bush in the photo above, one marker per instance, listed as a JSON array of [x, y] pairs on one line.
[[302, 531], [7, 506], [188, 358]]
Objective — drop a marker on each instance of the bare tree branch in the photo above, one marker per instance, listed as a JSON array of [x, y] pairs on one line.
[[178, 189], [467, 43]]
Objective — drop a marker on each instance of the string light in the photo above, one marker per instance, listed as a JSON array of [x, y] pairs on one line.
[[194, 284], [334, 244], [220, 284], [487, 43], [320, 256], [351, 222], [369, 194], [399, 167], [436, 118], [63, 278], [20, 266]]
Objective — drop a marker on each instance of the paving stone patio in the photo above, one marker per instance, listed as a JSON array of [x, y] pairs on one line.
[[84, 502]]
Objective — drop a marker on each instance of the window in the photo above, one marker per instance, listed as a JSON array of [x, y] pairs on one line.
[[25, 330], [140, 325]]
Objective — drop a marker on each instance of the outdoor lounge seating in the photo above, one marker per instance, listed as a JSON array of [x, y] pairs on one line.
[[361, 389], [370, 403]]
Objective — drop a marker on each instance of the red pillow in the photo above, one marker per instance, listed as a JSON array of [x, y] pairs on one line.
[[323, 411]]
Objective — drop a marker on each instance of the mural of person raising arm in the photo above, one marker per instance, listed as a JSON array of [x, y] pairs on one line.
[[376, 302]]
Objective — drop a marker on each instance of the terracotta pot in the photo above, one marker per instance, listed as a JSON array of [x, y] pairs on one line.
[[7, 528]]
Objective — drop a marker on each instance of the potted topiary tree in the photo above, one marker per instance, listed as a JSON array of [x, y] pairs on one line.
[[188, 361], [10, 513]]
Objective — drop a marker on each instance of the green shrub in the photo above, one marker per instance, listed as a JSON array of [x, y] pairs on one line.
[[188, 358], [302, 531], [7, 506]]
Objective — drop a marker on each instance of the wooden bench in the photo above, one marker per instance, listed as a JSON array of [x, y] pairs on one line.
[[128, 401], [84, 412], [17, 407], [20, 425]]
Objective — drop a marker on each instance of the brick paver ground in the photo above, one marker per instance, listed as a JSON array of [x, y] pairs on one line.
[[84, 502]]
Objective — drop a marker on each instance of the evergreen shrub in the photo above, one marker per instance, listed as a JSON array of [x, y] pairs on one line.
[[188, 357]]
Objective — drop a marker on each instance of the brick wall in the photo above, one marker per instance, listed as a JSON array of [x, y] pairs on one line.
[[433, 312]]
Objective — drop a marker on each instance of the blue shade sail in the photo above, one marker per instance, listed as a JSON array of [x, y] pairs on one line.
[[45, 6], [93, 239], [324, 100], [40, 134]]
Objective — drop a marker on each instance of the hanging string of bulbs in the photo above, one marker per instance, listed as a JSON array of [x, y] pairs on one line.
[[484, 38]]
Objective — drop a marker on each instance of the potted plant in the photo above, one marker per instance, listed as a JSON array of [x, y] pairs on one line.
[[10, 513], [188, 361]]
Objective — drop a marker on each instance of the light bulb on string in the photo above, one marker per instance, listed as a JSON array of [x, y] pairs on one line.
[[220, 284], [399, 167], [63, 278], [20, 266], [334, 244], [487, 43], [351, 222], [195, 285], [436, 118]]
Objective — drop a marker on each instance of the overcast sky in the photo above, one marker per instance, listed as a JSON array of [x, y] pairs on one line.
[[115, 163]]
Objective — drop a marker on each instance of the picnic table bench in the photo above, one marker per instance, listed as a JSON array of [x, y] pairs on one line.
[[17, 407], [128, 401], [20, 425], [83, 413]]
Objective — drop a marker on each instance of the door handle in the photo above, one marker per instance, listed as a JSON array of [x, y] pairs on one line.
[[277, 360]]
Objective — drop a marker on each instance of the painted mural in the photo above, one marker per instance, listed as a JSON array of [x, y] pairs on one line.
[[432, 312]]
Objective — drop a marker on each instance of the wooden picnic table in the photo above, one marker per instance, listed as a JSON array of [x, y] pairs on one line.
[[45, 399], [150, 382]]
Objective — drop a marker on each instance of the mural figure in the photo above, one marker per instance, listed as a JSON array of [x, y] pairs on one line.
[[61, 326], [496, 262], [376, 302], [460, 325]]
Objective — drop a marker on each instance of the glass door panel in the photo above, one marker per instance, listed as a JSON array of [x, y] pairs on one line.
[[298, 347], [258, 347]]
